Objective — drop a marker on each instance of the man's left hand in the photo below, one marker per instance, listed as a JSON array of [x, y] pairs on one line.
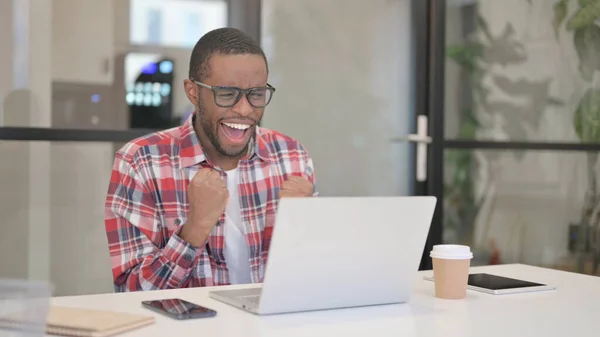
[[296, 187]]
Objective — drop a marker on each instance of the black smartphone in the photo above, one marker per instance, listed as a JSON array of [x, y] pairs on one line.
[[179, 309]]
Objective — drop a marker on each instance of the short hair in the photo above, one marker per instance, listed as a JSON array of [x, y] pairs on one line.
[[224, 41]]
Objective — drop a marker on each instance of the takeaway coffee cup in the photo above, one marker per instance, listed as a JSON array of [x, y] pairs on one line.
[[451, 270]]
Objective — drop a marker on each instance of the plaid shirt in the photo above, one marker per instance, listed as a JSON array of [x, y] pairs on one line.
[[147, 205]]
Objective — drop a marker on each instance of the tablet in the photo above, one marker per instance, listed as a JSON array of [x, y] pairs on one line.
[[500, 285]]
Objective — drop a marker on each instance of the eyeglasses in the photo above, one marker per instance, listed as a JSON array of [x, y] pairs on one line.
[[226, 97]]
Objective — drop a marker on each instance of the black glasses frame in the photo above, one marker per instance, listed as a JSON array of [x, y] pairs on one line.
[[239, 91]]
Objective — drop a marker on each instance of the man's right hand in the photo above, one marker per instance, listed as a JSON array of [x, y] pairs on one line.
[[208, 197]]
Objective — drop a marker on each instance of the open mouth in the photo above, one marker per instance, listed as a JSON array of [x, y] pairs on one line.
[[235, 132]]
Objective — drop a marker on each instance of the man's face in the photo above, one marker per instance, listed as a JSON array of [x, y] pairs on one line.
[[229, 129]]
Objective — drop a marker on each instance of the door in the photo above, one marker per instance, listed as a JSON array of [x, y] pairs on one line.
[[427, 137], [352, 87]]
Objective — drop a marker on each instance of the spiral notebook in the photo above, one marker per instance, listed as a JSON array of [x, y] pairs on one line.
[[66, 321]]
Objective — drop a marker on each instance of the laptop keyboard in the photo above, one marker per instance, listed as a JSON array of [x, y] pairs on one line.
[[249, 296], [251, 299]]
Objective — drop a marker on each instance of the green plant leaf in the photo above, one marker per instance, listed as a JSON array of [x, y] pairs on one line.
[[560, 13], [586, 119], [587, 45], [465, 55], [585, 16], [468, 126], [583, 3]]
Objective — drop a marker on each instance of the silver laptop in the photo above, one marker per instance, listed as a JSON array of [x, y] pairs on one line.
[[339, 252]]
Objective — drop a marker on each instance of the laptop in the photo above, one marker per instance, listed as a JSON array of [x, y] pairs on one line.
[[339, 252]]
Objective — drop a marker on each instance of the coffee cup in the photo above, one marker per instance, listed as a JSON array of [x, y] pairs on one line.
[[451, 270]]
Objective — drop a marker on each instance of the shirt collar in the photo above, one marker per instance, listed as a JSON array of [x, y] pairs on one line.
[[191, 152]]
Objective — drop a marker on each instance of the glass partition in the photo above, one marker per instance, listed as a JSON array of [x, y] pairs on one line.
[[52, 206], [520, 70], [521, 150], [533, 207]]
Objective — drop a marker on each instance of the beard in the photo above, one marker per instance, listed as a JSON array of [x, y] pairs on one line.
[[211, 131]]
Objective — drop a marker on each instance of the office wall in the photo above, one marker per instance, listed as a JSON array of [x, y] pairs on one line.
[[79, 253], [343, 73], [6, 38], [16, 266]]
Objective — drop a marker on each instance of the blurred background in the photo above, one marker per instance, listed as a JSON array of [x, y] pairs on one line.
[[491, 105]]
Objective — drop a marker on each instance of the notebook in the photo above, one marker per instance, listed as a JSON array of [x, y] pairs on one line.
[[76, 322], [66, 321]]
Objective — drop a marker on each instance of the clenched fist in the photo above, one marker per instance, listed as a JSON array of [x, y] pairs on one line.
[[296, 187], [208, 197]]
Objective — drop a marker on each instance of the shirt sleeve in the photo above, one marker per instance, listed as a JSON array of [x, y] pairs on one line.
[[311, 176], [139, 257], [308, 169]]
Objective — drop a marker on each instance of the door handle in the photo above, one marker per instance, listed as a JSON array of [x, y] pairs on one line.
[[421, 138]]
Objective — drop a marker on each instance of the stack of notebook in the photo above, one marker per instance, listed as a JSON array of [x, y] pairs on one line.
[[66, 321], [75, 322]]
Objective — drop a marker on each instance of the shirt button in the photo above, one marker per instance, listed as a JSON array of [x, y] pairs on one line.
[[178, 221], [187, 257]]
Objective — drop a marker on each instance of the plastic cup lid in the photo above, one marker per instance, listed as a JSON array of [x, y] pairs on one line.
[[453, 252]]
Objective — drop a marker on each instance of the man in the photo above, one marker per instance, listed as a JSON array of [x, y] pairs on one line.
[[195, 205]]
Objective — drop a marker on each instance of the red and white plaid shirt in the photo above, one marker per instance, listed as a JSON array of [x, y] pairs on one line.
[[147, 205]]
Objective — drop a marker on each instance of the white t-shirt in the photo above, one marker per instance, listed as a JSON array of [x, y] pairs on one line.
[[236, 249]]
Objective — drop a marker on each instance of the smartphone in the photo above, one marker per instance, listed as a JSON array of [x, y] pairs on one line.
[[179, 309]]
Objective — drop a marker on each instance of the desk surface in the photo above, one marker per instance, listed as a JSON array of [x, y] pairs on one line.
[[571, 310]]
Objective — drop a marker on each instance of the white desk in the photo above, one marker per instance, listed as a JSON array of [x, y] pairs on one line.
[[571, 310]]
